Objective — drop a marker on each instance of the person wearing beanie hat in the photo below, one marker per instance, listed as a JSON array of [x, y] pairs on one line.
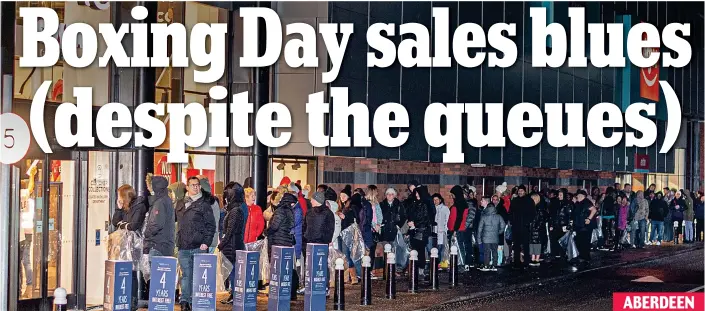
[[320, 222], [523, 212], [347, 191]]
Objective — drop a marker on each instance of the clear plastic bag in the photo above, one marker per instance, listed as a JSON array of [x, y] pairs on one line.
[[401, 250], [145, 267], [352, 238], [262, 247], [125, 245], [548, 244], [333, 255], [461, 255], [224, 269], [567, 241]]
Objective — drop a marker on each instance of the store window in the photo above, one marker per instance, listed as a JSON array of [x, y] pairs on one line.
[[210, 166], [295, 169]]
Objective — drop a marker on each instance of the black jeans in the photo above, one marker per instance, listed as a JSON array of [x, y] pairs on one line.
[[517, 247], [582, 242], [135, 299], [608, 232], [556, 234], [699, 229], [420, 247]]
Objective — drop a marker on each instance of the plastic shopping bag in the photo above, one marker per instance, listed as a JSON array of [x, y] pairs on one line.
[[401, 251], [500, 254], [624, 239], [224, 269], [567, 241], [352, 237], [145, 267], [333, 255], [461, 256], [261, 246], [508, 232], [548, 245]]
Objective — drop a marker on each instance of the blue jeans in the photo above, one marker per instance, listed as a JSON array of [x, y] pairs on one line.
[[186, 264], [656, 230], [641, 236], [688, 231]]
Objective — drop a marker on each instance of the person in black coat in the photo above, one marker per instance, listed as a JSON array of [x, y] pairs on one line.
[[584, 222], [129, 215], [657, 213], [538, 229], [233, 228], [320, 222], [560, 210], [393, 216], [522, 215], [419, 224]]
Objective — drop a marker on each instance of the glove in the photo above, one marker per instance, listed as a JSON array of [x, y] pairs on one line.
[[122, 225]]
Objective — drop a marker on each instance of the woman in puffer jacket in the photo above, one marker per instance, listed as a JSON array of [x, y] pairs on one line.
[[560, 210], [420, 223], [538, 230], [489, 229], [234, 227]]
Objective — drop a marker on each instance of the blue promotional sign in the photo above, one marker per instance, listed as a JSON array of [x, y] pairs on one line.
[[316, 276], [246, 277], [117, 292], [282, 268], [162, 287], [204, 274]]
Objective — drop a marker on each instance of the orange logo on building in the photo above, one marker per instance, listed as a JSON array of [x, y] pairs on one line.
[[648, 77]]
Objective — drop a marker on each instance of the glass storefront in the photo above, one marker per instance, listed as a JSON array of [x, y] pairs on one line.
[[64, 201]]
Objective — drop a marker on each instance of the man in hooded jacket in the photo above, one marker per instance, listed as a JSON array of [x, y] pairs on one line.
[[159, 226], [280, 231]]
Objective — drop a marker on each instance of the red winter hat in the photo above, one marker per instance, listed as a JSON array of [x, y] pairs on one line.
[[285, 181]]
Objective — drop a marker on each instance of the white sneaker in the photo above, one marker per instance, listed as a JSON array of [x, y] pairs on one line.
[[658, 243], [467, 268], [648, 243]]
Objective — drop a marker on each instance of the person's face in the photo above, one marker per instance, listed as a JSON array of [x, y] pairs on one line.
[[495, 200], [560, 195], [471, 195], [625, 201], [251, 198], [521, 192], [652, 195], [581, 197], [343, 197], [411, 188], [628, 188], [120, 202], [652, 187], [194, 187], [390, 196], [678, 194], [436, 201]]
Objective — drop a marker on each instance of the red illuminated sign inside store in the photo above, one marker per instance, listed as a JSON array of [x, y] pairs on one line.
[[641, 162], [648, 77]]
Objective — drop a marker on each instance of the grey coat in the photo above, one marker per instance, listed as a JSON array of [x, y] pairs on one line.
[[491, 226]]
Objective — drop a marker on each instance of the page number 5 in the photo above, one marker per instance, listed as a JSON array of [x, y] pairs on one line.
[[14, 138]]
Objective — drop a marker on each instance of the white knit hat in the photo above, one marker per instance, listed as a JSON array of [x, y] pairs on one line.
[[502, 188]]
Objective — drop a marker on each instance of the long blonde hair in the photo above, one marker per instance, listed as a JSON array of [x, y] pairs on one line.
[[371, 194]]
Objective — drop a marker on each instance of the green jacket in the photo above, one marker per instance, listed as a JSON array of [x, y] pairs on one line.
[[689, 213]]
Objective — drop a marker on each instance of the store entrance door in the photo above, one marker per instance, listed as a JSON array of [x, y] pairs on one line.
[[46, 232]]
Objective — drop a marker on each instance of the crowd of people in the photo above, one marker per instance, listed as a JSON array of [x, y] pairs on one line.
[[519, 227]]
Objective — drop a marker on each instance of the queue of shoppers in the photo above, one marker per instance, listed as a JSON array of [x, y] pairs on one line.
[[519, 227]]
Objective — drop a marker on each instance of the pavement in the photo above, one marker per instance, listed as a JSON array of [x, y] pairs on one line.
[[682, 272], [482, 290]]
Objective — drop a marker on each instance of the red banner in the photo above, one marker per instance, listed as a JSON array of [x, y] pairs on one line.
[[648, 77], [657, 301]]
